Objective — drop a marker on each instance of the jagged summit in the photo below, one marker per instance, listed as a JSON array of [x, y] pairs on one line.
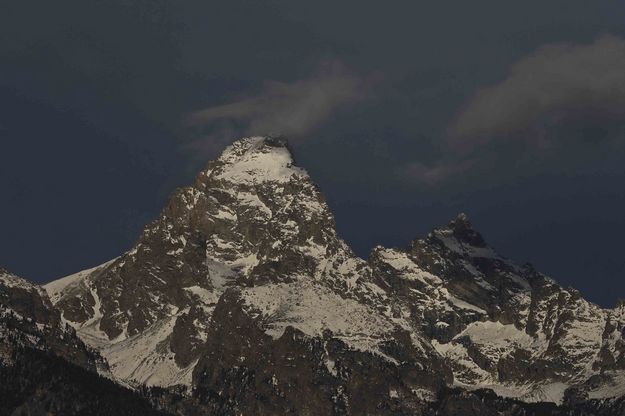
[[464, 232], [460, 222], [459, 237], [255, 160]]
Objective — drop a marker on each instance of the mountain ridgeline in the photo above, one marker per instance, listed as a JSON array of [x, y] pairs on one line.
[[241, 299]]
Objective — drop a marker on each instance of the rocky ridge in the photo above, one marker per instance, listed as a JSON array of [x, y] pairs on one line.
[[45, 368], [29, 320]]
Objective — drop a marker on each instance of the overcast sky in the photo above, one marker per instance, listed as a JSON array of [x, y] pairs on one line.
[[405, 113]]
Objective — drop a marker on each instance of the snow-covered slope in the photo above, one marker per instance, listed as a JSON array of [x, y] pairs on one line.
[[252, 242]]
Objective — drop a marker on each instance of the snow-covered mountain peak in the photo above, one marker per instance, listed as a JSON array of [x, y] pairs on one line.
[[254, 160], [251, 218], [458, 237]]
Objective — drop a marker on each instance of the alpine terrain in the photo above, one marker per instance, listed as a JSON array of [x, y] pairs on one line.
[[241, 299]]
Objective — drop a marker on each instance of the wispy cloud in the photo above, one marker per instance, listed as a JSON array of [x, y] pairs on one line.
[[561, 94], [551, 85], [435, 173], [292, 109]]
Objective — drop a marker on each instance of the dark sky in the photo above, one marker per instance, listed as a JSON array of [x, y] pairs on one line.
[[405, 113]]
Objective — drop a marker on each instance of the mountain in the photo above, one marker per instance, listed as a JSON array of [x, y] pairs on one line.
[[242, 298], [45, 368], [510, 328]]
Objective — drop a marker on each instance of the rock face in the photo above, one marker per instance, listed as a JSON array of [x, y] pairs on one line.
[[243, 292], [28, 320], [45, 368], [295, 372]]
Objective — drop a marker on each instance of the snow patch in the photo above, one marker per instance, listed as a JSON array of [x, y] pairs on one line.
[[312, 309], [56, 288], [251, 161]]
